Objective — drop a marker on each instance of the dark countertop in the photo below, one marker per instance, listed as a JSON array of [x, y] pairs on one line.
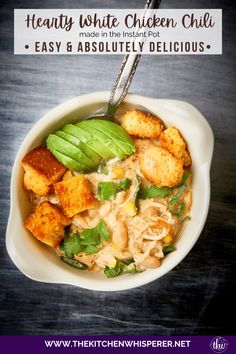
[[197, 296]]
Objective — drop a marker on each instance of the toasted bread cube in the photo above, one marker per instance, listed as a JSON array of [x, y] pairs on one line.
[[41, 170], [142, 145], [47, 224], [160, 167], [75, 195], [172, 141], [67, 175], [142, 124], [187, 161]]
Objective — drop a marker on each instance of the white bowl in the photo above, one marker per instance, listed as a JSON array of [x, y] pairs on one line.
[[39, 262]]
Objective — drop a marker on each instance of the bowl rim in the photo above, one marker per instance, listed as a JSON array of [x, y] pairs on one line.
[[64, 108]]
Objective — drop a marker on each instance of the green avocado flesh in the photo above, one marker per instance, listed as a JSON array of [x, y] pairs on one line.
[[105, 139], [92, 155], [55, 142], [69, 162], [80, 147], [115, 132], [113, 128], [89, 140]]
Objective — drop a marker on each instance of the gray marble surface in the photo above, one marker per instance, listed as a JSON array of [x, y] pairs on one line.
[[197, 297]]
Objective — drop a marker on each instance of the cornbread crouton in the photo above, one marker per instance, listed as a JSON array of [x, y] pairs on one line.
[[41, 170], [67, 176], [75, 195], [161, 168], [142, 145], [142, 124], [47, 224], [172, 141]]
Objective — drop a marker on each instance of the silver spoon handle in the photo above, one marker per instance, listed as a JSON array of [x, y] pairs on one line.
[[127, 71]]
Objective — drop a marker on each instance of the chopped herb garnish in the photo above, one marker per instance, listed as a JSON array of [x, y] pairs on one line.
[[121, 267], [136, 193], [90, 249], [169, 249], [88, 241], [186, 174], [154, 192], [102, 169], [176, 206], [123, 185], [103, 230], [74, 263], [108, 190], [179, 191], [112, 272], [187, 218], [72, 245]]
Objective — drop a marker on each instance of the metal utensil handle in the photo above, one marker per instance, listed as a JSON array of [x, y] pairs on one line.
[[127, 71]]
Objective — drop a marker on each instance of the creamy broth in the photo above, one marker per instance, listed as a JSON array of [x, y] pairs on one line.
[[143, 219]]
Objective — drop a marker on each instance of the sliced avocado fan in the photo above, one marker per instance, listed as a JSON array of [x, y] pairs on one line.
[[55, 142], [80, 147], [70, 163], [92, 155], [88, 139], [104, 139], [118, 134]]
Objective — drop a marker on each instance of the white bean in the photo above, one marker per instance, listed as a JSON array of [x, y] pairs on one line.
[[120, 235], [151, 262]]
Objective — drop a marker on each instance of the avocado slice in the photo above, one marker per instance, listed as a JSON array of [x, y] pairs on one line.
[[115, 132], [89, 140], [92, 155], [69, 162], [115, 128], [105, 139], [55, 142]]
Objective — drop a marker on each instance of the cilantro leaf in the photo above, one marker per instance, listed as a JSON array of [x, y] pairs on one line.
[[72, 245], [90, 249], [108, 190], [112, 272], [88, 241], [96, 234], [90, 236], [103, 230], [121, 267]]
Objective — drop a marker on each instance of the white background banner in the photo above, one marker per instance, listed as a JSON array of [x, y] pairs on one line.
[[96, 31]]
